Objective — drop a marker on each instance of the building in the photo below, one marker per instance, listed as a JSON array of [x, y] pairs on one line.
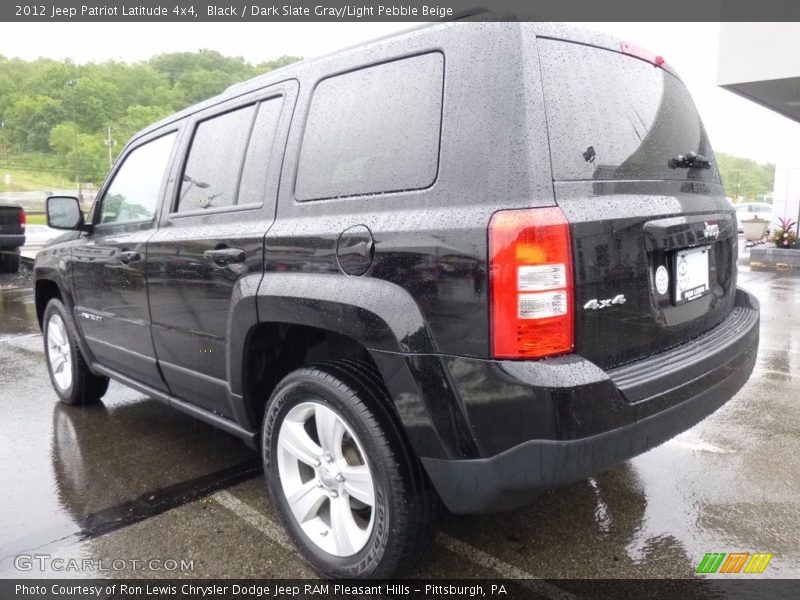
[[761, 62]]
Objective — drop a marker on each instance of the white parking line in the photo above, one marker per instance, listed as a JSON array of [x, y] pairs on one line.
[[502, 568], [18, 336], [762, 371], [254, 518], [700, 446], [777, 349], [262, 523]]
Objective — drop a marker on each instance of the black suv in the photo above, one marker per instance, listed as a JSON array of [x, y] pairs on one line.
[[464, 264]]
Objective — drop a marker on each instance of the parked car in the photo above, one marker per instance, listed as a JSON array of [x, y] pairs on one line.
[[37, 236], [12, 236], [749, 210], [464, 264]]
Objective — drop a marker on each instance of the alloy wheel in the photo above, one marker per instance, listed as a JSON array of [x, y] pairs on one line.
[[326, 479], [59, 352]]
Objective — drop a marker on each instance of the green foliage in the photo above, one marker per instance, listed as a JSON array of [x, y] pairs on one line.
[[57, 114], [199, 85], [745, 178], [79, 152], [271, 65], [29, 121], [136, 118], [203, 74]]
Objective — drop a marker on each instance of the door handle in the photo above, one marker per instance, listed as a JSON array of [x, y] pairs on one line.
[[128, 256], [225, 256]]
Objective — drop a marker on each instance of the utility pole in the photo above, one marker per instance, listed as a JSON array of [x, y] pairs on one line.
[[110, 143], [5, 144], [71, 84], [737, 185]]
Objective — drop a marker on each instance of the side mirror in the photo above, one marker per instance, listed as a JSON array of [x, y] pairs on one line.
[[64, 212]]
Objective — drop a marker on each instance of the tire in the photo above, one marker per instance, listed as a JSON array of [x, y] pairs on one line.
[[342, 535], [72, 380], [9, 261]]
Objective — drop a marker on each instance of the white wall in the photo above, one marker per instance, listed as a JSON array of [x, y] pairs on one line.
[[758, 51], [786, 201]]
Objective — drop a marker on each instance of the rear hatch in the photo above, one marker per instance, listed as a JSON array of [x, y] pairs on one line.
[[654, 241]]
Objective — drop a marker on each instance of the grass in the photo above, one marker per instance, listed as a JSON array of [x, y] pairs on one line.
[[36, 219], [32, 181]]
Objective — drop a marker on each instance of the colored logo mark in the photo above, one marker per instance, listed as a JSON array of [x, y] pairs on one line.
[[734, 562]]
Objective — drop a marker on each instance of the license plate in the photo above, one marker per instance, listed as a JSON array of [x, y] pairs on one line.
[[691, 273]]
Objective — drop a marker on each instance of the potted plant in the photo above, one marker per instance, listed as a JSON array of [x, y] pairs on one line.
[[785, 235], [754, 229]]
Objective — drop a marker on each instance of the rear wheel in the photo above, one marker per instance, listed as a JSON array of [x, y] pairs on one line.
[[352, 496], [71, 378], [9, 261]]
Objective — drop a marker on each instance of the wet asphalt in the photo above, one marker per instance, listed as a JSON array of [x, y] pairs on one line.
[[131, 479]]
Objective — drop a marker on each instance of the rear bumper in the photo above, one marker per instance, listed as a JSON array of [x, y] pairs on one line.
[[11, 240], [651, 400]]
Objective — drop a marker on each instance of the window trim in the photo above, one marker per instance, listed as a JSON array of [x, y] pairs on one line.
[[361, 67], [97, 208], [195, 125], [216, 210]]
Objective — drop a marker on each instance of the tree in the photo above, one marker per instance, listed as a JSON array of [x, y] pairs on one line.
[[279, 62], [136, 118], [199, 85], [177, 64], [86, 156], [141, 84], [53, 124], [745, 178], [96, 101], [29, 121]]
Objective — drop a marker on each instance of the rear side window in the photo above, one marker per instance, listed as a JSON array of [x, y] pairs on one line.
[[255, 170], [212, 170], [135, 190], [611, 116], [374, 130]]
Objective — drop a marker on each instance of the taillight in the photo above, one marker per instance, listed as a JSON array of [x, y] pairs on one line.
[[23, 218], [531, 289]]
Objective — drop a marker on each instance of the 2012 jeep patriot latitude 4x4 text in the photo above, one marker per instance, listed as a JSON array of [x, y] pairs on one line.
[[463, 264]]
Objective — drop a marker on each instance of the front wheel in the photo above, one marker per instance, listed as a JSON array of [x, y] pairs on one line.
[[71, 378], [353, 498]]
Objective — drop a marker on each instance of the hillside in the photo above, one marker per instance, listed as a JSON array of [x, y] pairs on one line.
[[58, 119]]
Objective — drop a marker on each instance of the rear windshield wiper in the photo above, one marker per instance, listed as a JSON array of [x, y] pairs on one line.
[[692, 160]]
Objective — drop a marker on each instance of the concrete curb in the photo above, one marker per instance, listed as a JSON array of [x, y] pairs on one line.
[[774, 259]]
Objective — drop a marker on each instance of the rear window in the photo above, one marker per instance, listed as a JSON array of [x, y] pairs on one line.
[[612, 116], [374, 130]]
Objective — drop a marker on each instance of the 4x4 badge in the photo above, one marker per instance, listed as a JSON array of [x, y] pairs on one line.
[[596, 304]]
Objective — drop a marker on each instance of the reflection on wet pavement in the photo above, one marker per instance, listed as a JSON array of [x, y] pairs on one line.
[[71, 470], [729, 484], [18, 312]]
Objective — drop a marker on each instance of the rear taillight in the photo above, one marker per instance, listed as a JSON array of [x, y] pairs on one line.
[[23, 218], [531, 285]]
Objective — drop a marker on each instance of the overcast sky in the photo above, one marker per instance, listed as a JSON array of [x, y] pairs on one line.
[[735, 125]]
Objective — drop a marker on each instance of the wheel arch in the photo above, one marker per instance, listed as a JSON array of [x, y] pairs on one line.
[[44, 291], [291, 320]]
